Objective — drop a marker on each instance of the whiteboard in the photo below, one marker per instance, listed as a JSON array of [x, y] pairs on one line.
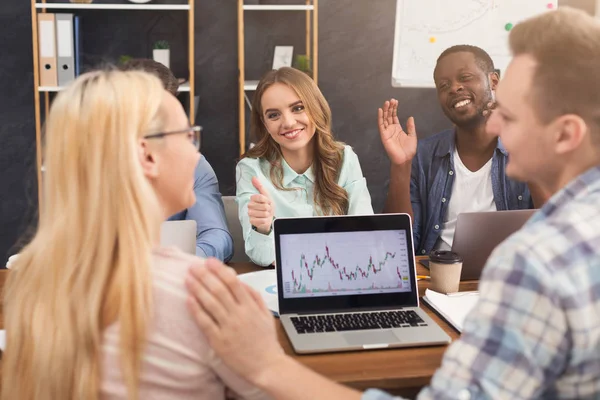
[[425, 28]]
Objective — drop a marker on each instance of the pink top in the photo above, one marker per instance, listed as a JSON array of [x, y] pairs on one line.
[[178, 363]]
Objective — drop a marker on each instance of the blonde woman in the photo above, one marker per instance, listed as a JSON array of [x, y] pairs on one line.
[[296, 168], [93, 308]]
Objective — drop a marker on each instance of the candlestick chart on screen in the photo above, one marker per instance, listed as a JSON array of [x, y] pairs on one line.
[[345, 263]]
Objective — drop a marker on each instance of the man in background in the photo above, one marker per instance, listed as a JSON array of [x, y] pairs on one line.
[[212, 235], [462, 169]]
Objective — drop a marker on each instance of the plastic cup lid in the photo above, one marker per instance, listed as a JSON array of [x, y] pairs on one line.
[[445, 257]]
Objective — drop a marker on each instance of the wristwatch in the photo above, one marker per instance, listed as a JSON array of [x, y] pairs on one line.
[[270, 230], [268, 233]]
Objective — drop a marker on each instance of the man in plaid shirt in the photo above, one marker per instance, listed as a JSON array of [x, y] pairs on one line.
[[535, 332]]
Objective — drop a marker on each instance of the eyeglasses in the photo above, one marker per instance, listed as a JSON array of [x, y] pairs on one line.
[[195, 139]]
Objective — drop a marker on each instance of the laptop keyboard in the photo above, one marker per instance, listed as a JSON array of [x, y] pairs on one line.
[[357, 321]]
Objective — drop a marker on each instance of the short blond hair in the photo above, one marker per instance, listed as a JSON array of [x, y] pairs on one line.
[[566, 46]]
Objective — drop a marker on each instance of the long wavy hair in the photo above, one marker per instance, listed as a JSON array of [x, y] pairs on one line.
[[329, 197], [88, 265]]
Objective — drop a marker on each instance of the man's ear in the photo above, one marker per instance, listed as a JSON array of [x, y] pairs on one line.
[[148, 159], [494, 79], [571, 133]]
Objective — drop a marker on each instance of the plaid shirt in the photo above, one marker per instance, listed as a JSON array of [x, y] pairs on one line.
[[535, 332]]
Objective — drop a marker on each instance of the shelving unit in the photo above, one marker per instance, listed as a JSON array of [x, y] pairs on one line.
[[39, 91], [275, 7], [78, 6], [182, 88], [312, 46]]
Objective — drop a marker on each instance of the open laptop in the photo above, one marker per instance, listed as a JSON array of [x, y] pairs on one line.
[[181, 234], [478, 233], [349, 283]]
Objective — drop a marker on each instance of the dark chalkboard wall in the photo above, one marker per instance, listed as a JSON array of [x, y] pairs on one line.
[[355, 61], [18, 200]]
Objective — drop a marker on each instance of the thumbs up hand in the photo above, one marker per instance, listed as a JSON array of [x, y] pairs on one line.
[[260, 209]]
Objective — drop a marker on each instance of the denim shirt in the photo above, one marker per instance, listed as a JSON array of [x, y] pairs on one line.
[[431, 183], [212, 235]]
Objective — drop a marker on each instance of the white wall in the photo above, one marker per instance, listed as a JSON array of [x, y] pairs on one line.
[[590, 6]]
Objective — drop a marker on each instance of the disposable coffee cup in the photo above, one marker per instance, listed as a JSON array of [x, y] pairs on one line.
[[445, 268]]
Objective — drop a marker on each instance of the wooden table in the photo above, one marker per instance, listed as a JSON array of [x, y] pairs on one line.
[[398, 371]]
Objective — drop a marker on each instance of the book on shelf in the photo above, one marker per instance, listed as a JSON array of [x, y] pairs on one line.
[[60, 48]]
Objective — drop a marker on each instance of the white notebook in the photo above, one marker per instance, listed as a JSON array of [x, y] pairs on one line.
[[265, 283], [454, 307]]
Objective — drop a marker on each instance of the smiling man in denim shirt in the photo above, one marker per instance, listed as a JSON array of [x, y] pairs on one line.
[[458, 170]]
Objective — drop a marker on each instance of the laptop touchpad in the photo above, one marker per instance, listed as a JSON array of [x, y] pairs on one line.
[[370, 337]]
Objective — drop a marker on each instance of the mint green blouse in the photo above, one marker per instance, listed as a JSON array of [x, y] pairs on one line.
[[294, 203]]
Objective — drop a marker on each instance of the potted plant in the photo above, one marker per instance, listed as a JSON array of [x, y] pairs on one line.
[[302, 63], [161, 53], [124, 59]]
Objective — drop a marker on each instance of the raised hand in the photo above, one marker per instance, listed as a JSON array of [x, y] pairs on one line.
[[260, 208], [400, 146]]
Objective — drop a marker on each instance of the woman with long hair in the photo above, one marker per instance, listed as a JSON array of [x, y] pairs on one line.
[[296, 168], [93, 308]]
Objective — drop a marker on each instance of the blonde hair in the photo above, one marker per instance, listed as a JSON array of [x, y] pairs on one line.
[[566, 46], [329, 197], [89, 262]]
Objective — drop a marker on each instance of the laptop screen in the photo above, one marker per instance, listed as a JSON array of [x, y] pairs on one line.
[[344, 263]]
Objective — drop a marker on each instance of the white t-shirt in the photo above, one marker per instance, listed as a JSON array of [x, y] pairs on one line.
[[471, 192]]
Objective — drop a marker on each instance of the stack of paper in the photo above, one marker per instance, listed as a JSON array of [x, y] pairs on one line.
[[453, 307]]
